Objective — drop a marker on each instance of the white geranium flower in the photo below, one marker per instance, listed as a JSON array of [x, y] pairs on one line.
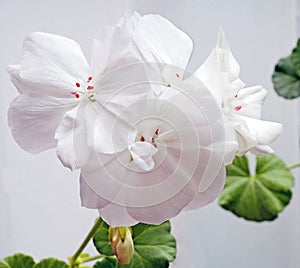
[[159, 40], [242, 106], [173, 158], [61, 94]]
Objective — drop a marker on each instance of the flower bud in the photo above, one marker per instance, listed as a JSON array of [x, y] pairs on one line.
[[122, 244]]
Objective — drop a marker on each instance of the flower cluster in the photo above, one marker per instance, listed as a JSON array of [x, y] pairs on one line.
[[150, 138]]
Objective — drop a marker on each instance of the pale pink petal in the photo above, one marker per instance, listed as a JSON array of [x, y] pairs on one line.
[[202, 199], [33, 121], [89, 198], [163, 211], [116, 215]]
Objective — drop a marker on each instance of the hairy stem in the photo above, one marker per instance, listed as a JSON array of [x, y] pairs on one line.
[[294, 166], [90, 235], [88, 259]]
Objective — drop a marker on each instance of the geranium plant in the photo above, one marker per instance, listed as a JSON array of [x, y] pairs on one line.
[[150, 138]]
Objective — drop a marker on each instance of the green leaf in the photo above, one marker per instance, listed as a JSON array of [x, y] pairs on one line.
[[258, 197], [18, 260], [107, 263], [286, 80], [101, 240], [295, 58], [154, 246], [51, 263]]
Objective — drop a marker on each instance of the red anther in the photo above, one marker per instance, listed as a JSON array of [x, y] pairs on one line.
[[73, 92], [77, 84], [77, 95], [237, 108], [177, 75], [90, 87], [168, 85], [142, 138], [236, 96], [90, 78], [156, 132]]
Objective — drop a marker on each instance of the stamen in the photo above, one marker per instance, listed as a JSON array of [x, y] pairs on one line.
[[77, 84], [77, 95], [153, 142], [73, 92], [90, 87], [142, 138], [156, 132], [237, 108], [168, 85], [236, 96], [177, 75], [90, 79]]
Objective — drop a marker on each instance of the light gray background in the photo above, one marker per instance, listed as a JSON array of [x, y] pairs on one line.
[[40, 209]]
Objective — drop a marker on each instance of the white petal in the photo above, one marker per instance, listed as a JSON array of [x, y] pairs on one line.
[[112, 48], [130, 22], [33, 121], [71, 136], [251, 99], [264, 132], [262, 150], [220, 71], [108, 131], [158, 39], [52, 64], [142, 153]]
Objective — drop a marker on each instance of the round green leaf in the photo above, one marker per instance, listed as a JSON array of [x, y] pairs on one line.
[[154, 246], [51, 263], [19, 260], [261, 196], [107, 263], [295, 58], [101, 241], [286, 79]]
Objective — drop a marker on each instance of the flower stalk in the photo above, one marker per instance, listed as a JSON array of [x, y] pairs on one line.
[[90, 235], [294, 166]]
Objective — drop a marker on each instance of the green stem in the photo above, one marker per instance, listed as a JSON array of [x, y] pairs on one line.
[[90, 235], [88, 259], [294, 166]]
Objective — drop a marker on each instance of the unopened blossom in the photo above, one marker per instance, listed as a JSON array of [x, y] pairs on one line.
[[61, 94], [241, 105], [173, 160], [121, 242]]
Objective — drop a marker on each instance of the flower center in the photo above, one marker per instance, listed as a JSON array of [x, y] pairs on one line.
[[84, 91], [142, 151], [232, 103]]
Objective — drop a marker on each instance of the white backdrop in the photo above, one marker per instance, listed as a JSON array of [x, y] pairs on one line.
[[40, 209]]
